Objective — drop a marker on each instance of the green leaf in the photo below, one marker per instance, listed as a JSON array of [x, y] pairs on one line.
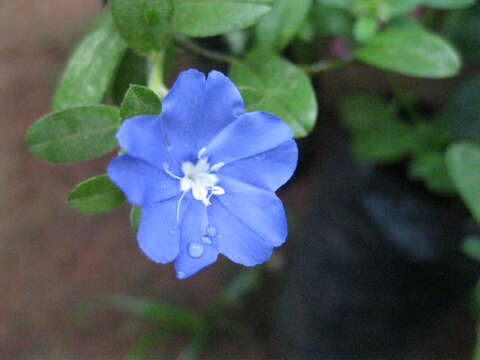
[[381, 9], [410, 51], [363, 112], [91, 67], [96, 195], [243, 283], [462, 28], [148, 342], [432, 168], [378, 136], [135, 216], [132, 70], [342, 4], [471, 246], [365, 27], [463, 164], [144, 24], [389, 142], [448, 4], [75, 134], [388, 9], [154, 311], [277, 28], [461, 116], [213, 17], [331, 21], [140, 100], [270, 83], [429, 136]]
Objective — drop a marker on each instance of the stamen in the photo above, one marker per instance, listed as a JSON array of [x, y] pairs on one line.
[[166, 169], [201, 152], [217, 166], [178, 205]]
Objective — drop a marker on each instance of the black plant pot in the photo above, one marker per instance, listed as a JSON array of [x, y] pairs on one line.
[[378, 271]]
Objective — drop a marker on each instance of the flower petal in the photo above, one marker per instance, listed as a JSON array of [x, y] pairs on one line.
[[194, 254], [268, 170], [260, 210], [141, 182], [158, 233], [181, 110], [196, 110], [250, 134], [143, 138], [223, 103], [236, 240]]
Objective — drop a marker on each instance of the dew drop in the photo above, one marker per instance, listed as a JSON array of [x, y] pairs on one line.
[[164, 186], [172, 232], [195, 250], [206, 240], [181, 275], [212, 231], [164, 218]]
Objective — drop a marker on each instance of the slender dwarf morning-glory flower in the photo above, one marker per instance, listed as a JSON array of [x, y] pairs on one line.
[[205, 173]]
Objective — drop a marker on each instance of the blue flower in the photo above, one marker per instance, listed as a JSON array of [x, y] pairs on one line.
[[205, 174]]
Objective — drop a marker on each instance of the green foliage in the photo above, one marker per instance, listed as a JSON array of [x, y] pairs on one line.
[[91, 67], [270, 83], [140, 100], [144, 24], [448, 4], [96, 195], [461, 116], [378, 136], [365, 27], [132, 70], [342, 4], [471, 246], [135, 216], [462, 28], [213, 17], [244, 283], [152, 311], [432, 169], [463, 164], [330, 21], [410, 51], [75, 134], [278, 27], [383, 10]]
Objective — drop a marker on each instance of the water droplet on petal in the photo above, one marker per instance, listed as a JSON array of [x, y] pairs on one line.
[[260, 156], [206, 240], [164, 218], [195, 250], [164, 186], [181, 275], [212, 231], [172, 232]]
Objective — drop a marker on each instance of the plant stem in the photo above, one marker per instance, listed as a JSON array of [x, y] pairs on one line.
[[200, 50], [155, 77], [324, 66]]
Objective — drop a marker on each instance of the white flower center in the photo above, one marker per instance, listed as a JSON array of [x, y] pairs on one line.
[[199, 178]]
